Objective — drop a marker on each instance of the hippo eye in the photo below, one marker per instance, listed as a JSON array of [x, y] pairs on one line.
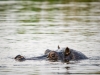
[[53, 55]]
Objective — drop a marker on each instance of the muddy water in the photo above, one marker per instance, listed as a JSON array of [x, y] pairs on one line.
[[30, 27]]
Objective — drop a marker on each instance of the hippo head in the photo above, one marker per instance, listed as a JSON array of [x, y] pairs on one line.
[[52, 56], [19, 58], [67, 55]]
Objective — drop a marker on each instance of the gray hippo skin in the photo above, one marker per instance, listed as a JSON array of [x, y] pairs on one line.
[[67, 54], [48, 55], [64, 54]]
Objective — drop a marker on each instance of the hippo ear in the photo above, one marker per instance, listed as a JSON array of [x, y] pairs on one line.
[[58, 47], [67, 51]]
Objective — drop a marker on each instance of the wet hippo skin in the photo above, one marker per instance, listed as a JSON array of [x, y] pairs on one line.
[[63, 54]]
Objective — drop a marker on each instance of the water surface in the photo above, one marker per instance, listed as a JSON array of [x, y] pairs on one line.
[[30, 27]]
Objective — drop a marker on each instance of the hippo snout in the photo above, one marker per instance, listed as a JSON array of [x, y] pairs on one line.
[[19, 58]]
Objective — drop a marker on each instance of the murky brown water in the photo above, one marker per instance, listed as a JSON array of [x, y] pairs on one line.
[[29, 28]]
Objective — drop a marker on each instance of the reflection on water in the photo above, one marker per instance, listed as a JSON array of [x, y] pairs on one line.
[[30, 27]]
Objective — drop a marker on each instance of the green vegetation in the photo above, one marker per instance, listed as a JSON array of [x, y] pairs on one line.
[[67, 0]]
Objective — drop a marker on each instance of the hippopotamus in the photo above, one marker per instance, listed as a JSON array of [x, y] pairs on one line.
[[48, 55], [63, 54]]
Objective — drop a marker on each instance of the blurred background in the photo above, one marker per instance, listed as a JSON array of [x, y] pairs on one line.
[[29, 27]]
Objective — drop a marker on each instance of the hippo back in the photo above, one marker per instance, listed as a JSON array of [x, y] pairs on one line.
[[77, 55]]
